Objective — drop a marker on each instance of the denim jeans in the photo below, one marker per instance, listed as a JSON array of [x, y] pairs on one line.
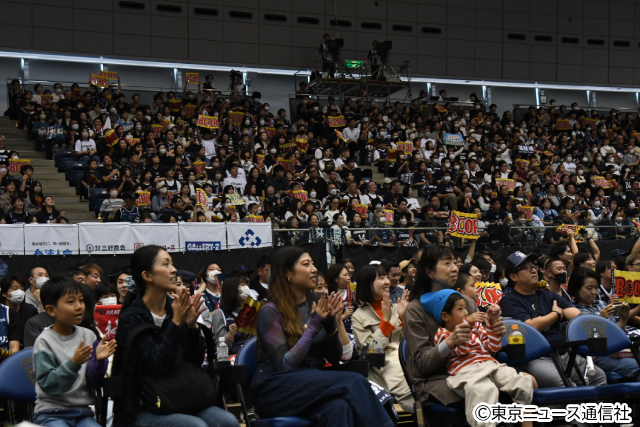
[[86, 159], [628, 368], [65, 418], [210, 417]]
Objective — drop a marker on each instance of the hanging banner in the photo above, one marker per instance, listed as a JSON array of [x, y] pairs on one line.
[[16, 164], [569, 228], [175, 105], [202, 236], [106, 317], [488, 293], [600, 181], [144, 198], [193, 78], [235, 117], [254, 218], [453, 139], [528, 211], [189, 110], [249, 235], [287, 164], [563, 124], [165, 235], [300, 195], [271, 132], [111, 75], [405, 147], [157, 129], [12, 241], [287, 147], [210, 122], [43, 239], [302, 144], [336, 121], [388, 216], [236, 199], [202, 200], [99, 80], [247, 319], [626, 284], [510, 183], [362, 210], [105, 238], [463, 225], [46, 101]]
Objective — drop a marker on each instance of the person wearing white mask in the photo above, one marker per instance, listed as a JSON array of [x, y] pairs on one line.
[[12, 289], [113, 203], [234, 293], [37, 277], [210, 285], [569, 165]]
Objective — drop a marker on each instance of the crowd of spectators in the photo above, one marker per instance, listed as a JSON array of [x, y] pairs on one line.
[[567, 165]]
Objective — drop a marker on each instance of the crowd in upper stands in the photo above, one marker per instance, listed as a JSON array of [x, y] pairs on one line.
[[568, 165]]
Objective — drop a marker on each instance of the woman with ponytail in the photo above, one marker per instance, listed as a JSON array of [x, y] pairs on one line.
[[297, 335], [158, 353]]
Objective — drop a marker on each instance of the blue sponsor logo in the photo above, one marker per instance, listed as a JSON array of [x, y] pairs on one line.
[[250, 239], [203, 246]]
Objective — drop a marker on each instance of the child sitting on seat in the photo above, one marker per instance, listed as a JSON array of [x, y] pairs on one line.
[[66, 369], [475, 375]]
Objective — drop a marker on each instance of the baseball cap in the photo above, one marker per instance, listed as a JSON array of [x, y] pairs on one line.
[[405, 263], [129, 195], [619, 252], [160, 185], [516, 259], [239, 269], [387, 181]]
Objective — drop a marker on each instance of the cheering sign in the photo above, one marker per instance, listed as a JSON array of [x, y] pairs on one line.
[[626, 285], [405, 147], [351, 294], [463, 225], [179, 126], [453, 139], [440, 109], [287, 164], [144, 198], [300, 194], [157, 129], [106, 317], [111, 75], [56, 132], [202, 199], [510, 183], [392, 155], [193, 78], [189, 110], [302, 144], [46, 101], [235, 117], [288, 147], [609, 133], [259, 161], [99, 81], [362, 210], [388, 215], [600, 181], [612, 183], [488, 293], [526, 149], [563, 124], [528, 211], [254, 218], [111, 137], [165, 124], [198, 167], [336, 121], [586, 122], [16, 164], [248, 317], [271, 132], [210, 122], [175, 105], [569, 228], [236, 199], [340, 136]]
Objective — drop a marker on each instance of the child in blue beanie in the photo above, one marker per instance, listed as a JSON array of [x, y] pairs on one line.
[[475, 374]]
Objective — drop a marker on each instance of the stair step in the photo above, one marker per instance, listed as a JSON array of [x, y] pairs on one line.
[[58, 191], [71, 206], [49, 176], [29, 154]]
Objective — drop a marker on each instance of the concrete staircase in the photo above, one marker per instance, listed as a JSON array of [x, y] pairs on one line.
[[53, 182]]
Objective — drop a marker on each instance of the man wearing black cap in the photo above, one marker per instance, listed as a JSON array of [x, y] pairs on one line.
[[545, 311], [129, 211]]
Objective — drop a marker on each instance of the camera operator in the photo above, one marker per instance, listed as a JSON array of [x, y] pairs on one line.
[[236, 81], [374, 58], [327, 58]]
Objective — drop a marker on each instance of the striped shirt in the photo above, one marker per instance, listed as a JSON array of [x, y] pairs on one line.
[[481, 342]]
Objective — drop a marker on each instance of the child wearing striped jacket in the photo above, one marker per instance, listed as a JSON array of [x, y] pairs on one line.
[[474, 373]]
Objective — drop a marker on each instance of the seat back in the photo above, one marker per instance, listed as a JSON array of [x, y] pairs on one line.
[[247, 356], [535, 344], [18, 377], [402, 354], [588, 326]]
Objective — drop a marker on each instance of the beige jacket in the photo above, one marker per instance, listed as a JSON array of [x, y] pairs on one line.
[[365, 322], [424, 362]]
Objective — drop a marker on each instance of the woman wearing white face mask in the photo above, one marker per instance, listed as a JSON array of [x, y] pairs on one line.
[[210, 283], [234, 292], [13, 293], [113, 203]]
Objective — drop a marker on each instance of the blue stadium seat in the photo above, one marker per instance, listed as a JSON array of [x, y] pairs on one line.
[[96, 196], [586, 326], [247, 356], [61, 158], [18, 382]]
